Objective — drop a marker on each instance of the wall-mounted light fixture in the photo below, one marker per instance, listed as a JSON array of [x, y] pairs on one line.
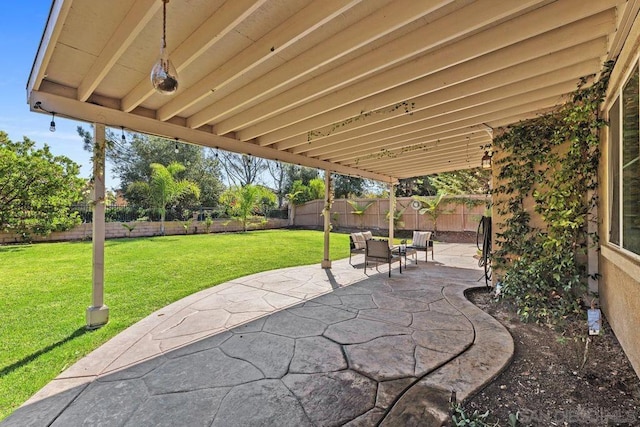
[[486, 161], [164, 76]]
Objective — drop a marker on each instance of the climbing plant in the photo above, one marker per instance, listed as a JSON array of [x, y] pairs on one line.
[[547, 168]]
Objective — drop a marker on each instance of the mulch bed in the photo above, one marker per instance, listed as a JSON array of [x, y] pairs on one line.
[[551, 382]]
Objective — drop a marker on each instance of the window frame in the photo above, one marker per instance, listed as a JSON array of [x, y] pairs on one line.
[[617, 98]]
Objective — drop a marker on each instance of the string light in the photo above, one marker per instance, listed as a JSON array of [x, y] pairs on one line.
[[52, 124], [177, 150]]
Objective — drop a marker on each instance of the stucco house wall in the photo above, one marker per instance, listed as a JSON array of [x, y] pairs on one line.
[[619, 284]]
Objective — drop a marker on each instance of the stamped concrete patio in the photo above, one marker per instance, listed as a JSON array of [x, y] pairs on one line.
[[296, 347]]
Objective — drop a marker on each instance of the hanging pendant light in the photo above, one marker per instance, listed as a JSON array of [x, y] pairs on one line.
[[164, 76], [52, 125]]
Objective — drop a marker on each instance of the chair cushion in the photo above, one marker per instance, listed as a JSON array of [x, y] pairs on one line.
[[358, 240], [420, 238], [368, 235]]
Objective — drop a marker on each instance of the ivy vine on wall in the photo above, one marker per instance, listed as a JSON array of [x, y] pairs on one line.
[[548, 169]]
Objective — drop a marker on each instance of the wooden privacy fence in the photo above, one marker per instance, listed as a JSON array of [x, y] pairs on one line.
[[455, 215]]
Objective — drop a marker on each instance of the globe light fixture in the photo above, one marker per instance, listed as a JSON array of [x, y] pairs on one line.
[[164, 76]]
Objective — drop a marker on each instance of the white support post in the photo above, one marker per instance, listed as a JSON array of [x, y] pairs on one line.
[[326, 212], [392, 211], [98, 313]]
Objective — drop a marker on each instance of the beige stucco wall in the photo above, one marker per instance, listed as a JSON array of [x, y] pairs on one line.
[[620, 299], [619, 284], [144, 229]]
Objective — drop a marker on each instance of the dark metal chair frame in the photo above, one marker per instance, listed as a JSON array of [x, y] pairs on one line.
[[425, 249], [378, 251]]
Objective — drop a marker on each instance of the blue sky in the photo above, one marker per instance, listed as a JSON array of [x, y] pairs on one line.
[[21, 27]]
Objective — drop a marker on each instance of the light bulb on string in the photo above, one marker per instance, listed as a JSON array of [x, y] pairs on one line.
[[52, 125], [176, 150], [164, 76]]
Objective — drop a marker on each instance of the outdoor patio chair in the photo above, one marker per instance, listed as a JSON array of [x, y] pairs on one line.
[[357, 243], [378, 251], [422, 242]]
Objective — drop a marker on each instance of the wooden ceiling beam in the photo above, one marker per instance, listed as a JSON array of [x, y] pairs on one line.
[[291, 31], [218, 25], [352, 155], [520, 30], [568, 74], [378, 24], [133, 23], [467, 20], [476, 114], [469, 158], [510, 64], [410, 144], [92, 113], [458, 147]]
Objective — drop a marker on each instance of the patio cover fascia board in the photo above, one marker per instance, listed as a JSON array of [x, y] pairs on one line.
[[93, 113]]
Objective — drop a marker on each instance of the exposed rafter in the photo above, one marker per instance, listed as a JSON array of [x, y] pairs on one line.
[[382, 89], [223, 21]]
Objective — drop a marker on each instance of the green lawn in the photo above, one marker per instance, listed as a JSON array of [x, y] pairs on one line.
[[46, 288]]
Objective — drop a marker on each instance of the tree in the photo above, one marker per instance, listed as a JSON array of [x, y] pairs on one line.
[[295, 173], [244, 202], [348, 186], [277, 172], [417, 186], [164, 189], [132, 158], [301, 193], [242, 169], [468, 181], [37, 189]]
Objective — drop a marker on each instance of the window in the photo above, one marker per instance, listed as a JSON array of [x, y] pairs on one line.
[[624, 137], [614, 168]]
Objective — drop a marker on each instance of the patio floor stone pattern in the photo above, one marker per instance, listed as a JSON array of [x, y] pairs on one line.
[[324, 349]]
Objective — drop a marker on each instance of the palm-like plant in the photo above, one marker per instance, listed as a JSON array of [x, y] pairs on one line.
[[165, 189], [243, 202], [359, 210], [431, 208], [397, 216]]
